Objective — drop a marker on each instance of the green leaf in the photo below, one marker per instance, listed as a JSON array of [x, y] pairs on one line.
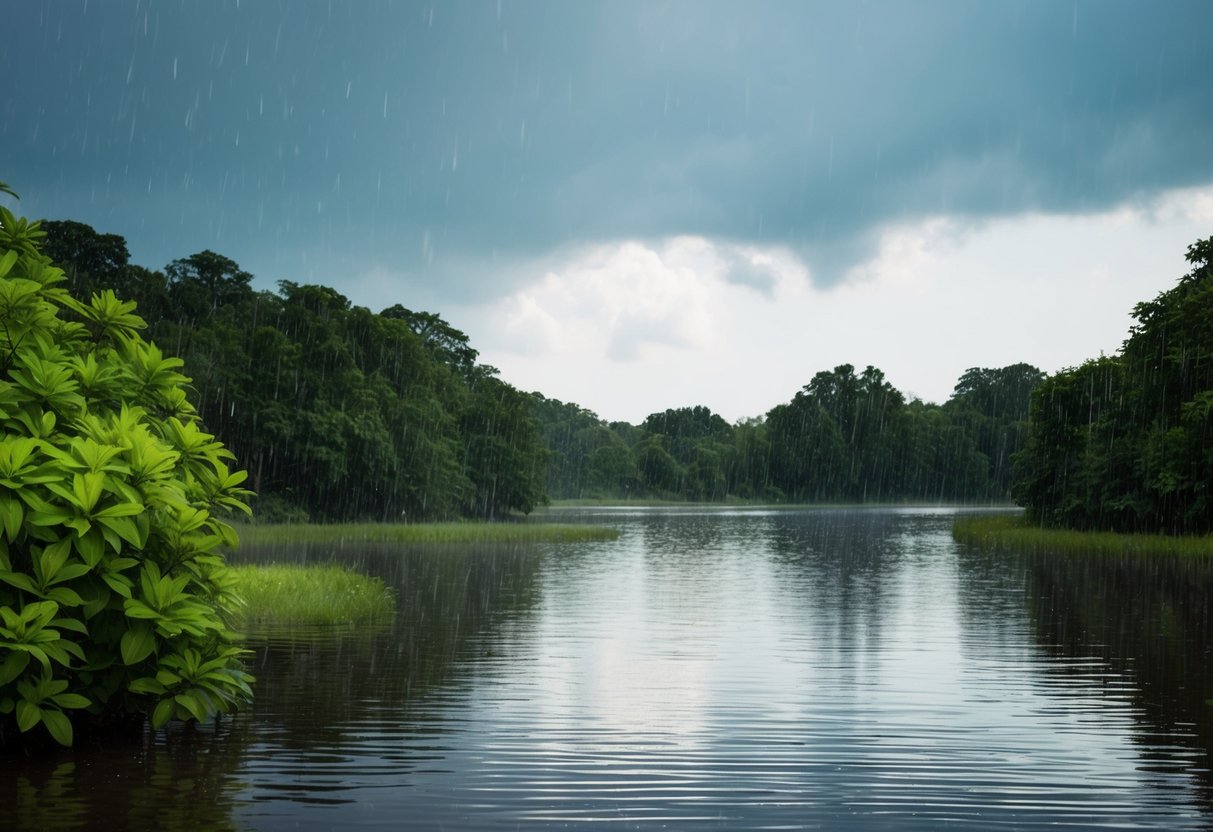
[[137, 609], [91, 547], [11, 515], [122, 526], [118, 583], [137, 644], [70, 700], [65, 597], [10, 258], [192, 703], [163, 713], [70, 624], [59, 726], [28, 715], [71, 572], [146, 684], [19, 580], [13, 666]]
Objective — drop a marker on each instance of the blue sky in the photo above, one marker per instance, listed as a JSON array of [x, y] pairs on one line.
[[647, 205]]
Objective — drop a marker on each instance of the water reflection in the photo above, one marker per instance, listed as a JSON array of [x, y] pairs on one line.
[[721, 669]]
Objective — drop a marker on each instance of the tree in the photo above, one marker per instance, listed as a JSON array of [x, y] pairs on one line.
[[992, 405], [203, 282], [1124, 442], [93, 261]]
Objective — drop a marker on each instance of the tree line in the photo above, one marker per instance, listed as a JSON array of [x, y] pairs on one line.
[[1125, 442], [337, 412], [847, 436], [342, 413]]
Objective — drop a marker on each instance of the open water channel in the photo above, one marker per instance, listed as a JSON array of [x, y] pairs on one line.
[[710, 669]]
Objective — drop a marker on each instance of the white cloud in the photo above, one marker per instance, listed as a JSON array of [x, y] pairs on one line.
[[630, 328], [621, 302]]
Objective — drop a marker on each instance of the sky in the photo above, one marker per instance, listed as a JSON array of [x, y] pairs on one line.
[[643, 205]]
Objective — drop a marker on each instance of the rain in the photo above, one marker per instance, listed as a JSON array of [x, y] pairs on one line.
[[536, 414]]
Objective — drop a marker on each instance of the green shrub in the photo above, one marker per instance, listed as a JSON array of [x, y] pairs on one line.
[[113, 589]]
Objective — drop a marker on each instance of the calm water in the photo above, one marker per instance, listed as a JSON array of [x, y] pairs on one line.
[[710, 669]]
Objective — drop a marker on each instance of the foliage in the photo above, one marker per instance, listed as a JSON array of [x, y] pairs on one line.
[[424, 533], [342, 414], [338, 413], [291, 594], [1125, 442], [112, 585], [845, 437], [1013, 532]]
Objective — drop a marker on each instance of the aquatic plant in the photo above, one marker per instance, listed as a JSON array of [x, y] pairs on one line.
[[294, 594], [113, 588], [480, 532], [1013, 532]]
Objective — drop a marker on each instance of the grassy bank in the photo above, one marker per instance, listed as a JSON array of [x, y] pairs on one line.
[[1012, 532], [647, 502], [424, 533], [279, 594]]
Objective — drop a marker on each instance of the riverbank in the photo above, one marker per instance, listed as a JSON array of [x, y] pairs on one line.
[[557, 506], [1013, 533], [422, 533]]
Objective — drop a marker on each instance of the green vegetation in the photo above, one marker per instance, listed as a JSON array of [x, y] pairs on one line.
[[113, 591], [279, 594], [419, 533], [1013, 532], [339, 414], [1125, 442], [845, 437], [390, 411]]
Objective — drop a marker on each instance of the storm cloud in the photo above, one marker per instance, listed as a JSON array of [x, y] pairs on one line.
[[319, 141]]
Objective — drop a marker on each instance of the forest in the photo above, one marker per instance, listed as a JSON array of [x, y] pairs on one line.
[[342, 413], [1125, 442]]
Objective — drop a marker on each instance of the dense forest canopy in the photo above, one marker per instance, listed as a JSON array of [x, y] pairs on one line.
[[342, 413], [1125, 442]]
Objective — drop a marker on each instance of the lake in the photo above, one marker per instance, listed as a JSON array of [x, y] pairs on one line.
[[710, 669]]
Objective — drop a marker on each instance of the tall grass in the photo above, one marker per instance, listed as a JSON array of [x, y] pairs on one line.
[[281, 594], [465, 532], [1014, 533]]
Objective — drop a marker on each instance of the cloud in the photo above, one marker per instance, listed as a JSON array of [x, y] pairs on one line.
[[937, 297], [320, 146], [621, 299]]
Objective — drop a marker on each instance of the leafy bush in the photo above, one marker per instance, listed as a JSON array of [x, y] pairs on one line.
[[114, 596]]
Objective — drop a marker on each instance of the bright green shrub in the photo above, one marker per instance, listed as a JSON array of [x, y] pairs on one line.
[[113, 591]]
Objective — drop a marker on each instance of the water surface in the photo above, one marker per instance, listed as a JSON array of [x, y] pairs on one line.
[[724, 669]]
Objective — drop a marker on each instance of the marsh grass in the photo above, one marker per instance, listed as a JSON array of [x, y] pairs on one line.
[[1012, 532], [309, 595], [436, 533]]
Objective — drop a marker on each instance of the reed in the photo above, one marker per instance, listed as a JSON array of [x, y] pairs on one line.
[[291, 594], [1014, 533], [428, 533]]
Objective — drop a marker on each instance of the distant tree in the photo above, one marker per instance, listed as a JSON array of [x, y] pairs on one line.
[[92, 261], [992, 405], [1126, 442], [449, 345], [203, 282]]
